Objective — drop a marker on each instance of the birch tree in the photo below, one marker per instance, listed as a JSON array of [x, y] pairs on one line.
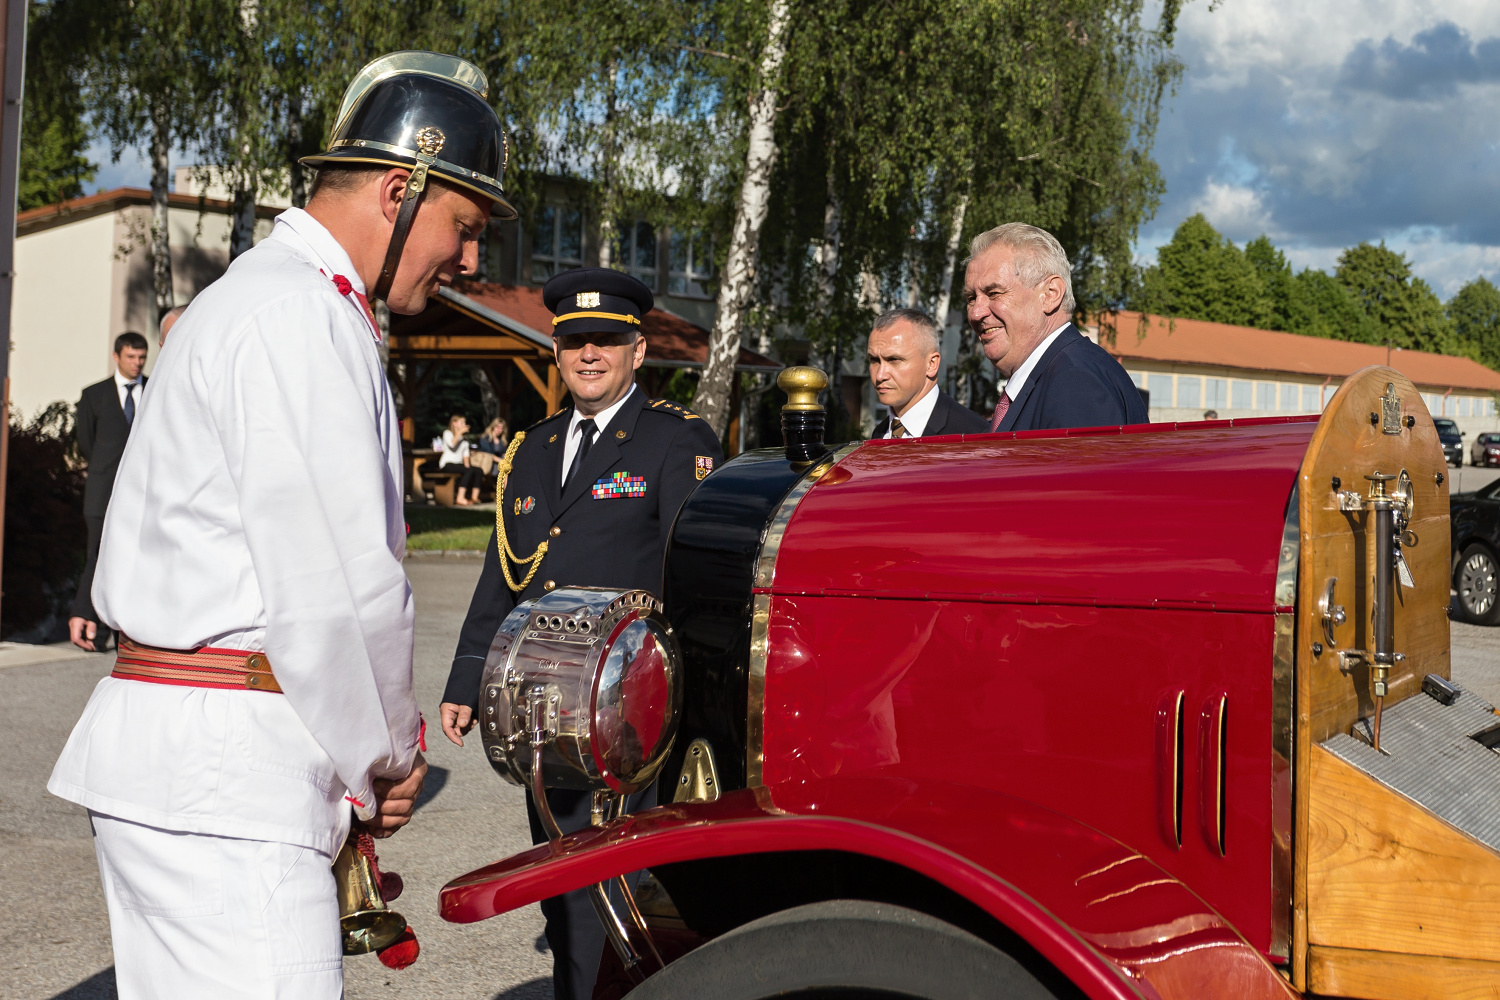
[[737, 278]]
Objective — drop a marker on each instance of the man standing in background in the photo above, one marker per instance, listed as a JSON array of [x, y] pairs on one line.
[[905, 353], [105, 414]]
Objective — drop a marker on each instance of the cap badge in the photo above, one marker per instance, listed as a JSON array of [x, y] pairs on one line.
[[588, 300], [430, 140]]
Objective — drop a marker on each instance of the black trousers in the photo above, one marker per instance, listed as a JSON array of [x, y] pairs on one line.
[[83, 603], [573, 930]]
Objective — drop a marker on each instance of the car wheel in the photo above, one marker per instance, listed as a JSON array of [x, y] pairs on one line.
[[847, 949], [1476, 580]]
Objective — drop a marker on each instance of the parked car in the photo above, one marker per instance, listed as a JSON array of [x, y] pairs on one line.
[[1475, 518], [1486, 450], [1452, 439]]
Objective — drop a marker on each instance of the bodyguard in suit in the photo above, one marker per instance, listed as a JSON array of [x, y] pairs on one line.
[[1019, 289], [105, 413], [599, 482], [904, 353]]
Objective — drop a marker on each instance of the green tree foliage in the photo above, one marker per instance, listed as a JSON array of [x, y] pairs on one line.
[[1475, 314], [1400, 304], [53, 141], [1202, 275]]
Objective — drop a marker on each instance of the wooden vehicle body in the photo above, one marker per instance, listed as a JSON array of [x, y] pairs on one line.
[[1071, 692]]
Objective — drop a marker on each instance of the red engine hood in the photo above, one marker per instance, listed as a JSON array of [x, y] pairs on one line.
[[1186, 516]]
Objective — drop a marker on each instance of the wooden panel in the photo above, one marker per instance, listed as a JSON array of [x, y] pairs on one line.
[[1384, 874], [1339, 544], [1328, 699], [1374, 975]]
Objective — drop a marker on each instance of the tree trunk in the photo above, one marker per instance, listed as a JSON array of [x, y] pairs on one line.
[[737, 283], [945, 290], [242, 235], [608, 235], [161, 244], [294, 147]]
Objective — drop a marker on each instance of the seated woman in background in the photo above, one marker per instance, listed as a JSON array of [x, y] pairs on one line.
[[491, 446], [455, 458]]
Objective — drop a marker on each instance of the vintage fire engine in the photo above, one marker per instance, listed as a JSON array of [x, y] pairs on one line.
[[1159, 711]]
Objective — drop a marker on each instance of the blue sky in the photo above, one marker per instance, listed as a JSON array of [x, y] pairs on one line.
[[1326, 122], [1318, 122]]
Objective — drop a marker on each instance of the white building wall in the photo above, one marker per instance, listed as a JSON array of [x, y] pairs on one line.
[[61, 332]]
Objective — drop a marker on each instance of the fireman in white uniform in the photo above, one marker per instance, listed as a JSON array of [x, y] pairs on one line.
[[251, 562]]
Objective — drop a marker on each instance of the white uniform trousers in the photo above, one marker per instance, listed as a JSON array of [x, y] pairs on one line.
[[201, 916]]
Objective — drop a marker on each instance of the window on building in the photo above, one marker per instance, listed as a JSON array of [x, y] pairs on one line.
[[557, 241], [692, 263], [637, 247], [1137, 378], [1216, 393], [1463, 406], [1489, 407], [1189, 391], [1291, 397], [1240, 395], [1310, 401], [1160, 388], [1265, 396]]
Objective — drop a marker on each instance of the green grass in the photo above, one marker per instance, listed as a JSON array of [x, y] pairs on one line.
[[448, 527]]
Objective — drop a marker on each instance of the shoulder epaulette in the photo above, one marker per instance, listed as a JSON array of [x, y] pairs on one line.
[[550, 417], [668, 406]]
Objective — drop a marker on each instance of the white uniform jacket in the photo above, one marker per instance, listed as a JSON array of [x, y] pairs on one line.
[[258, 506]]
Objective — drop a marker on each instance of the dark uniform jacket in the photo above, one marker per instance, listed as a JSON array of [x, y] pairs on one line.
[[948, 417], [102, 431], [607, 529], [1076, 384]]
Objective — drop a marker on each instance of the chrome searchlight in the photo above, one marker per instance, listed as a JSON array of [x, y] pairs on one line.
[[583, 689], [590, 680]]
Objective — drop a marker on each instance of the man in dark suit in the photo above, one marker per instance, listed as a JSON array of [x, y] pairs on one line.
[[105, 413], [599, 482], [1019, 289], [905, 353]]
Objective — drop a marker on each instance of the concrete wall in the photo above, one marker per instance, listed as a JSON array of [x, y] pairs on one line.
[[62, 325]]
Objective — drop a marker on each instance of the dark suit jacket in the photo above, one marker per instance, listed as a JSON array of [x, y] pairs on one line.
[[1076, 384], [102, 430], [948, 417], [597, 535]]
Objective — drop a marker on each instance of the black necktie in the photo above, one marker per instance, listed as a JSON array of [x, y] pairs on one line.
[[130, 402], [587, 429]]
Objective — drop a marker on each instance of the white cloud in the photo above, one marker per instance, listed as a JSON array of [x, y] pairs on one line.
[[1235, 210]]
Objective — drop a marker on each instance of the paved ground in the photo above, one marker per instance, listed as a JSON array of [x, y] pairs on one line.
[[58, 935]]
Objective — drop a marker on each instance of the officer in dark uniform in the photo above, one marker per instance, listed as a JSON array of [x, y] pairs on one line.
[[590, 498]]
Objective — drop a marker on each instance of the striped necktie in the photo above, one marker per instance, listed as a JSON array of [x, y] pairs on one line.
[[898, 429], [1001, 405]]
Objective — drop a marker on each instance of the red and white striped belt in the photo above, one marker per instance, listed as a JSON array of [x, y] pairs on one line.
[[206, 666]]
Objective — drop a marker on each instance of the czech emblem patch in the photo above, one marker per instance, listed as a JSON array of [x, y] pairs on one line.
[[525, 506], [620, 484], [703, 465]]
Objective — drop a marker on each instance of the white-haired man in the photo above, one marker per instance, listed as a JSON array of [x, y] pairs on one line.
[[905, 353], [1019, 292]]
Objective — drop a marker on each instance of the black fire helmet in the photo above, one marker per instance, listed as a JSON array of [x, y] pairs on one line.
[[427, 112]]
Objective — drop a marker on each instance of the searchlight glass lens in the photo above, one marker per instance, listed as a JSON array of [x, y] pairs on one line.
[[633, 703]]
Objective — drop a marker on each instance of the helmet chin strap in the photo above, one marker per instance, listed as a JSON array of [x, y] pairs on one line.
[[416, 186]]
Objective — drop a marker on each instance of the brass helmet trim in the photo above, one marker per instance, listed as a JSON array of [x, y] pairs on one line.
[[455, 172], [436, 64]]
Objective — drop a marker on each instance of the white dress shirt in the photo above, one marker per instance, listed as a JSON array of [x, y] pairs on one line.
[[1014, 384], [258, 506], [918, 414], [121, 382], [601, 421]]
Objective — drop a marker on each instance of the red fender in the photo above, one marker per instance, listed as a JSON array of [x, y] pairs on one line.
[[1109, 919]]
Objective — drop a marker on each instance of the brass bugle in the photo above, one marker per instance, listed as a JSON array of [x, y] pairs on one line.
[[365, 920]]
